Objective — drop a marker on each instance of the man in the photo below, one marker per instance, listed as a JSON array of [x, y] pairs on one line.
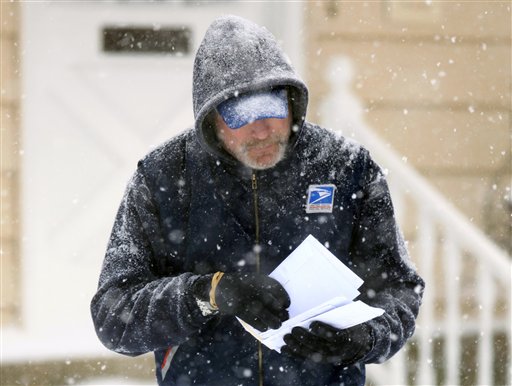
[[209, 214]]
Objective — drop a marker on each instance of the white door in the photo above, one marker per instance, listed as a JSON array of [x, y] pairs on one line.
[[88, 116]]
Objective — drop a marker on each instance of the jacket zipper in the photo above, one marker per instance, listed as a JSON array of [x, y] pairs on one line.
[[257, 220], [257, 251]]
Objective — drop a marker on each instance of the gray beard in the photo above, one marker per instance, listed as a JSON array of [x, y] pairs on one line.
[[247, 161]]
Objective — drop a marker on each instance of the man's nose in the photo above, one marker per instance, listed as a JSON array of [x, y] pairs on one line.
[[261, 129]]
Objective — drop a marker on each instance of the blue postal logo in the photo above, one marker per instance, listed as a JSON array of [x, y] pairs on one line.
[[320, 198]]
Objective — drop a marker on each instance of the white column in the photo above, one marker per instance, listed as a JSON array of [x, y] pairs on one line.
[[452, 262], [486, 299], [426, 243]]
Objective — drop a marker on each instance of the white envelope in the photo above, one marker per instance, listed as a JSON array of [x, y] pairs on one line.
[[321, 288], [312, 275]]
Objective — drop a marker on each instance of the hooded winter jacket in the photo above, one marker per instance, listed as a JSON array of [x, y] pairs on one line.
[[191, 209]]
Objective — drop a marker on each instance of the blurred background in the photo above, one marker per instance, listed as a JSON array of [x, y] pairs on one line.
[[89, 87]]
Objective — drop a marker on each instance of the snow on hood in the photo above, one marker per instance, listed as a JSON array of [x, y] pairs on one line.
[[237, 56]]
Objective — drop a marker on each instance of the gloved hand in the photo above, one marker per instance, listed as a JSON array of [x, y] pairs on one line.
[[256, 299], [326, 344]]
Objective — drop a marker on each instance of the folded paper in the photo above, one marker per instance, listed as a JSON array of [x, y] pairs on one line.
[[321, 288]]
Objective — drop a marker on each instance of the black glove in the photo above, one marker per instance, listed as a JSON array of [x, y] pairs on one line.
[[326, 344], [256, 299]]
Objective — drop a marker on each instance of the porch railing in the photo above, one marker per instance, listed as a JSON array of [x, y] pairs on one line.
[[463, 330]]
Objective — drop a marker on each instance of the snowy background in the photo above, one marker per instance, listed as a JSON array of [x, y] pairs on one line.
[[425, 85]]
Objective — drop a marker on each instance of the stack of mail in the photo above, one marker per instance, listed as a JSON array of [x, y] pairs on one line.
[[321, 288]]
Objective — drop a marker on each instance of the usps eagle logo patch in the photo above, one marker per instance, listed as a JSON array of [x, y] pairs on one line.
[[320, 198]]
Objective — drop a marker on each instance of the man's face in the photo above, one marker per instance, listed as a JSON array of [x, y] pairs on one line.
[[258, 145]]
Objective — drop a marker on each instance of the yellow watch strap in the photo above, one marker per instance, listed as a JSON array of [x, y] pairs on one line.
[[215, 281]]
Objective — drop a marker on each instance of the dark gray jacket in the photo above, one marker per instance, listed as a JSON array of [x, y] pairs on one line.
[[189, 210]]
